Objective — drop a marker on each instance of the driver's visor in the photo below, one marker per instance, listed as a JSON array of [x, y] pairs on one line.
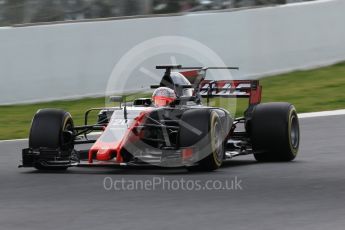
[[162, 101]]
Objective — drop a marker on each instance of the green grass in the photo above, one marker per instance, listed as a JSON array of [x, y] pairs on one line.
[[310, 90]]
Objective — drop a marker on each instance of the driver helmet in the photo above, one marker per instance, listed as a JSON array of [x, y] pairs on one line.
[[163, 96]]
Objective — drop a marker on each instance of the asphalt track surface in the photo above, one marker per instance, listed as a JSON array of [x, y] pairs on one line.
[[308, 193]]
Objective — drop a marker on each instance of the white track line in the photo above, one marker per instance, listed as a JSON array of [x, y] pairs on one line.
[[301, 115], [322, 114]]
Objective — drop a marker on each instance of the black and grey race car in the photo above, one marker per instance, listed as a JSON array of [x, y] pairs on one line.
[[184, 133]]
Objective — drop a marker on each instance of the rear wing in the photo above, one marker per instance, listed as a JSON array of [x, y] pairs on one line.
[[232, 89], [224, 88]]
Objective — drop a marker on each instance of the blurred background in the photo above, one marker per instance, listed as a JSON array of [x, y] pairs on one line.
[[34, 11]]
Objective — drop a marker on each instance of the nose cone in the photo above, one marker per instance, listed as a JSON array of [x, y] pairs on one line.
[[105, 154], [103, 151]]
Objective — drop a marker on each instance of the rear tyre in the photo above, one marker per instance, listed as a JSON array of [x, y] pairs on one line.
[[275, 132], [204, 130], [52, 129]]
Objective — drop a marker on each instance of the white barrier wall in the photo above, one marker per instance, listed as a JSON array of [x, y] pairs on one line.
[[46, 62]]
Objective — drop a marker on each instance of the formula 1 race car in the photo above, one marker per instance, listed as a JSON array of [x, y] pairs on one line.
[[171, 129]]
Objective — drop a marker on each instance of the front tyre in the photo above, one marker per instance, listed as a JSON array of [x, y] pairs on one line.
[[52, 129], [210, 142], [216, 148], [275, 132]]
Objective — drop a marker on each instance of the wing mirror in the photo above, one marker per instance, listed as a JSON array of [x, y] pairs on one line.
[[116, 99]]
